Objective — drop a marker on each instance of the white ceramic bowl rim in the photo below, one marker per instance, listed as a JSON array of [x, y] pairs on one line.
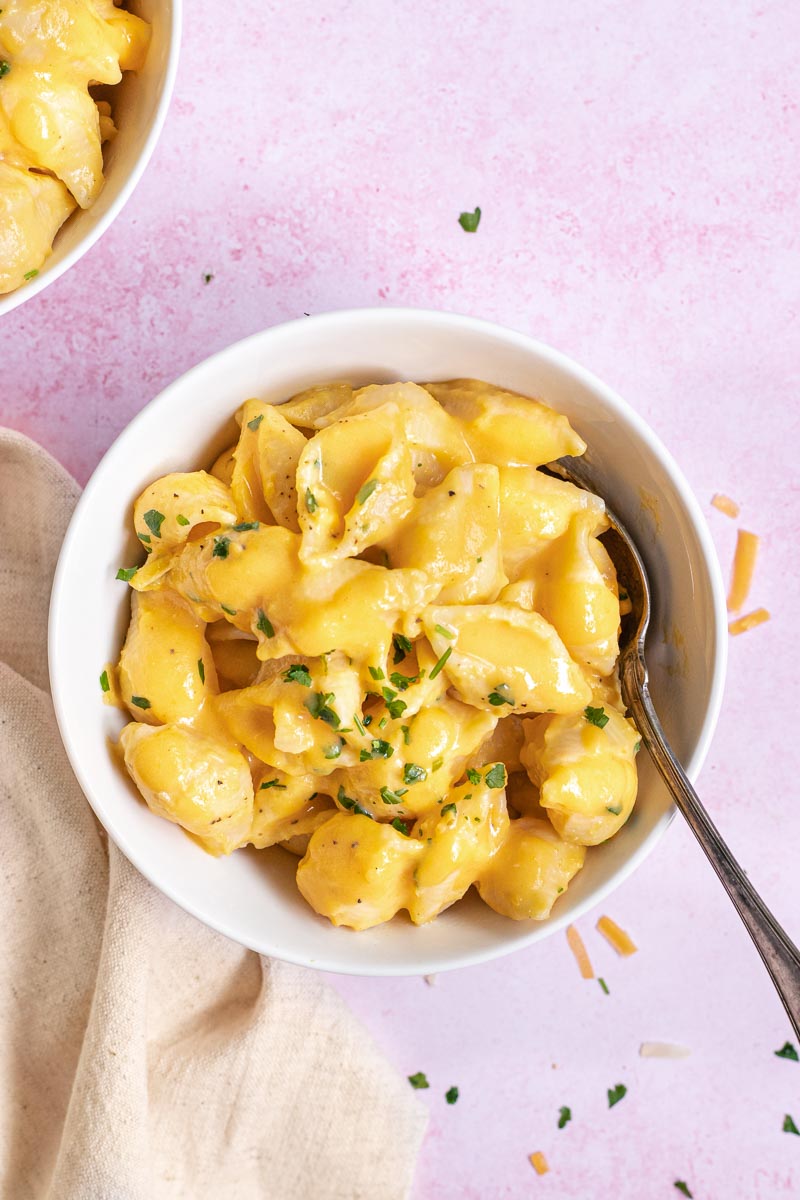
[[49, 274], [373, 319]]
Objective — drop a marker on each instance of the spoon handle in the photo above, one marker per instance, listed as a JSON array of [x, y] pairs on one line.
[[780, 955]]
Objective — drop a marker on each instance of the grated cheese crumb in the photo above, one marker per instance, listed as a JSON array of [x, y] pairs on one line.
[[619, 939], [744, 563], [663, 1050], [742, 624], [579, 950], [725, 505], [539, 1163]]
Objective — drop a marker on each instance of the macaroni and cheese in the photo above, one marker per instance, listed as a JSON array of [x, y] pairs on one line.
[[51, 128], [375, 633]]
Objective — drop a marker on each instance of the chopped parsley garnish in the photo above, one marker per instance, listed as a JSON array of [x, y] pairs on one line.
[[311, 501], [437, 764], [615, 1094], [603, 985], [272, 783], [495, 777], [333, 751], [298, 673], [378, 749], [345, 800], [596, 716], [243, 526], [182, 520], [683, 1188], [469, 221], [140, 701], [360, 811], [207, 277], [501, 695], [232, 613], [438, 666], [448, 633], [30, 274], [153, 519], [359, 724], [637, 746], [451, 1095], [789, 1125], [104, 684], [5, 67], [614, 809], [787, 1050], [319, 706], [449, 808], [406, 732], [376, 673], [367, 720], [473, 776], [382, 722], [365, 491], [419, 1080], [201, 670], [564, 1115], [400, 826], [221, 546], [413, 774], [401, 682], [126, 573], [264, 625], [390, 797], [256, 421], [402, 647], [396, 707], [144, 537]]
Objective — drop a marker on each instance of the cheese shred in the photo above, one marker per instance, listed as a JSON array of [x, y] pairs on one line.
[[539, 1163], [618, 938], [725, 505], [579, 950], [744, 562], [749, 621]]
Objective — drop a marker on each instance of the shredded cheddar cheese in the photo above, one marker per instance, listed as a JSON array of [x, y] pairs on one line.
[[725, 505], [749, 621], [579, 950], [617, 937], [744, 562], [539, 1163]]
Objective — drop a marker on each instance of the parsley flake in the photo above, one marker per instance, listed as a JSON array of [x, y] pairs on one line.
[[272, 783], [787, 1050], [615, 1094], [789, 1125], [438, 666], [140, 701], [406, 732], [243, 526], [396, 707], [319, 707], [437, 764], [298, 673], [451, 1095], [182, 520], [256, 421], [401, 682], [683, 1188], [232, 613], [333, 751], [501, 695], [31, 274], [359, 725], [614, 809], [495, 777], [201, 670], [126, 574], [449, 808], [469, 221], [5, 67], [604, 986], [448, 633], [402, 647], [596, 716], [473, 776], [378, 749], [153, 519], [311, 501], [207, 277], [419, 1080], [376, 673], [413, 773], [144, 537], [264, 625], [564, 1116], [392, 797], [104, 684], [365, 491], [400, 826], [221, 546]]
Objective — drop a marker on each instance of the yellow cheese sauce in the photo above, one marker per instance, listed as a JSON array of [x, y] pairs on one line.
[[375, 633], [51, 128]]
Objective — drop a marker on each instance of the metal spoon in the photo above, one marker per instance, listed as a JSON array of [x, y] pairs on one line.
[[780, 955]]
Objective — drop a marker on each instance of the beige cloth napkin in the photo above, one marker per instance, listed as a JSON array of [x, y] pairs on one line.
[[144, 1056]]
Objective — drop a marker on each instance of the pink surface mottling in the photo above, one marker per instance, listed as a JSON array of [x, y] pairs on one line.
[[637, 166]]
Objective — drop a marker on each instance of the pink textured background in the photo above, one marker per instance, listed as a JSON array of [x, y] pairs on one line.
[[637, 166]]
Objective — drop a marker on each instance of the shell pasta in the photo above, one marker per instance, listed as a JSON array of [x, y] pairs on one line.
[[374, 633]]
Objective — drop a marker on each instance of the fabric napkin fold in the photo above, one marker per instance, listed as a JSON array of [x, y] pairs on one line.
[[145, 1056]]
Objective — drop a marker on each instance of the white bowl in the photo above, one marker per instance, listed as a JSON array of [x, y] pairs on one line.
[[251, 896], [139, 105]]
